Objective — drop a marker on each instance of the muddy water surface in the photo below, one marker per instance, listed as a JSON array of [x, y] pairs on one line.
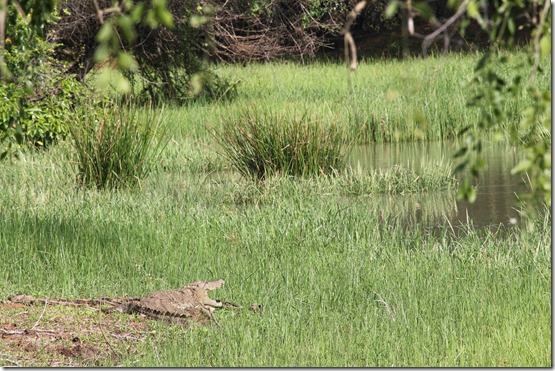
[[495, 205]]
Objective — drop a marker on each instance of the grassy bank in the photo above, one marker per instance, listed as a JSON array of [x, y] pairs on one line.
[[345, 274], [339, 284], [416, 99]]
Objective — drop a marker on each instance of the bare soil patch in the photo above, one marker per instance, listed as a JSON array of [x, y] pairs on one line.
[[54, 335]]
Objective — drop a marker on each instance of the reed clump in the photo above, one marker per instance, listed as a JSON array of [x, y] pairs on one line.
[[261, 143], [116, 146]]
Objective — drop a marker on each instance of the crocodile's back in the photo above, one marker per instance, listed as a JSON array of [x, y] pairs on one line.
[[172, 305]]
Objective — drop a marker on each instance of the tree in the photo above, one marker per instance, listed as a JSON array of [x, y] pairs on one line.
[[27, 19], [165, 56]]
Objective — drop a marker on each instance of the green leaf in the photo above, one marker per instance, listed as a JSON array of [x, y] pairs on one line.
[[166, 18], [545, 46], [127, 4], [521, 166], [105, 33], [472, 10], [198, 20], [122, 85], [471, 195], [460, 167], [463, 130], [195, 86], [461, 152], [482, 62], [137, 13], [151, 19], [425, 11], [161, 13], [511, 26], [391, 9], [127, 27], [102, 53], [464, 189], [480, 163], [126, 61], [19, 137]]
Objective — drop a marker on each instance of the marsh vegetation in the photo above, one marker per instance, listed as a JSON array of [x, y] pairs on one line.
[[344, 278]]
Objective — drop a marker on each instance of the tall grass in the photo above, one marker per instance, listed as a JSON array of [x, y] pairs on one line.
[[339, 285], [116, 146], [390, 100], [261, 143]]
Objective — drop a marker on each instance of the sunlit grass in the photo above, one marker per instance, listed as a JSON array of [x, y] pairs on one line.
[[386, 101], [345, 274], [339, 283], [116, 146], [261, 143]]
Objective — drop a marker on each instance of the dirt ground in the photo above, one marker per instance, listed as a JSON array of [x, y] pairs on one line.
[[57, 336]]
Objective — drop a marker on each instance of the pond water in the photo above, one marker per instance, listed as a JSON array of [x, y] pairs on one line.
[[496, 204]]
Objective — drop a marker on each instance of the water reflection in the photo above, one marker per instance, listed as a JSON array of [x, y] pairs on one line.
[[495, 205]]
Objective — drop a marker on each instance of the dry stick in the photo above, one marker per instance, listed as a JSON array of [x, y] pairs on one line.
[[106, 339], [430, 38], [40, 317], [9, 360], [99, 12], [351, 47], [20, 9], [410, 15]]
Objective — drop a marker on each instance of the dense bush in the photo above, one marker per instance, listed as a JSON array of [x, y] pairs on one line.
[[37, 95], [169, 60]]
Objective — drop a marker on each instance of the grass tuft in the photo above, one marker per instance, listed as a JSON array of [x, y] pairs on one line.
[[261, 143], [116, 146]]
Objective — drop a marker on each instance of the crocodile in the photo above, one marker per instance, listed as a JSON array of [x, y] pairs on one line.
[[189, 303]]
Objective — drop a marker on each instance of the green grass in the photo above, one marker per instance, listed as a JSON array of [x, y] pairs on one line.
[[414, 99], [116, 146], [345, 275], [398, 179], [261, 143], [340, 285]]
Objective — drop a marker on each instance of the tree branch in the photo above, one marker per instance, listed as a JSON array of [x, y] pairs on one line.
[[431, 37]]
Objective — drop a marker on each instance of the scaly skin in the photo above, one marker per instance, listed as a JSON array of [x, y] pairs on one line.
[[177, 306]]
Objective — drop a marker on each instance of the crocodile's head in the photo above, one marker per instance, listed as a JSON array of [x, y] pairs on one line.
[[206, 285], [202, 287]]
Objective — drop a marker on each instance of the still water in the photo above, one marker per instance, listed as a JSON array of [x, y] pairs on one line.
[[496, 204]]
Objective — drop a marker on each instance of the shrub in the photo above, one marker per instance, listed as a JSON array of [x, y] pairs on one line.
[[170, 61], [37, 98], [43, 117], [116, 146], [263, 143]]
